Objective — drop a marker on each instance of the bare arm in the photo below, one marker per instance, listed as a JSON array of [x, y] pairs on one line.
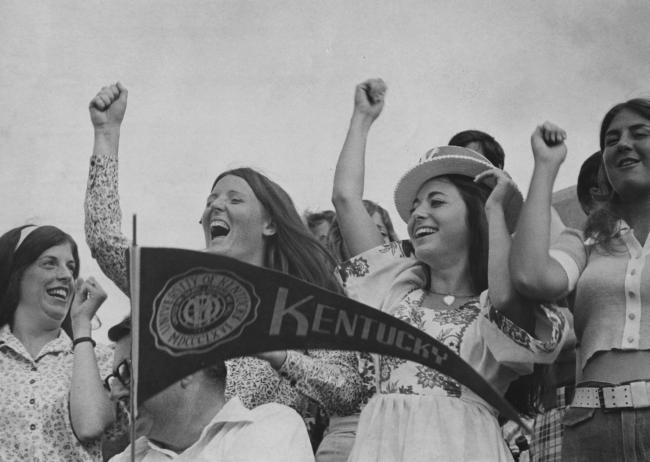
[[91, 410], [533, 271], [500, 288], [102, 207], [357, 228]]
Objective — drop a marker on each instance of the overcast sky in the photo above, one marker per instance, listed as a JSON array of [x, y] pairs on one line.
[[217, 84]]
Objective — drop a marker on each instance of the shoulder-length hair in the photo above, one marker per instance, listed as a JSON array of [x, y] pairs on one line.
[[336, 244], [292, 249], [14, 261], [602, 223]]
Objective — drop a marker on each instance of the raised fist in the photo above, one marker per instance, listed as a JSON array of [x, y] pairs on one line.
[[369, 98], [548, 145], [107, 108]]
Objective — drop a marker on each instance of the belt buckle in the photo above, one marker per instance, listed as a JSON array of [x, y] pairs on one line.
[[639, 392]]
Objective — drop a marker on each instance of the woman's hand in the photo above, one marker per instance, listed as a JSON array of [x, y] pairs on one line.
[[548, 145], [369, 99], [107, 108], [504, 188], [275, 358], [89, 296]]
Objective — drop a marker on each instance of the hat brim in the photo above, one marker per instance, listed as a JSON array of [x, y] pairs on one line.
[[411, 182]]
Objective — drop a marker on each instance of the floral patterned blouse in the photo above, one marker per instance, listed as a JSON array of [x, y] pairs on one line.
[[34, 409], [328, 378], [389, 278]]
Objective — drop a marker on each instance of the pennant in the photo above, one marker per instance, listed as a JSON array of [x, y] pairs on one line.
[[192, 308]]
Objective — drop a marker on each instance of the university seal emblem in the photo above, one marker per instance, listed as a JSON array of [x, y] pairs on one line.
[[201, 309]]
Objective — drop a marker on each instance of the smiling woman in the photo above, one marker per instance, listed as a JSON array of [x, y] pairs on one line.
[[450, 281], [53, 405], [603, 269], [247, 217]]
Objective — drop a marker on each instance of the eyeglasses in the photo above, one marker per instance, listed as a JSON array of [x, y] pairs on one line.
[[122, 373]]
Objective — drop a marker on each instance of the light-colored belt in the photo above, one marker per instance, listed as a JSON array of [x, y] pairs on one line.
[[632, 395]]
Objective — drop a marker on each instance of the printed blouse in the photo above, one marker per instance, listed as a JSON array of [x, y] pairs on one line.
[[390, 279], [327, 377], [34, 409]]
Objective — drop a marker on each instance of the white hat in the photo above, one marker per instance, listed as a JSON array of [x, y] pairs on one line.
[[447, 160]]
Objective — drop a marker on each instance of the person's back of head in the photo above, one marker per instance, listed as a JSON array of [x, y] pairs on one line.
[[482, 143], [588, 181]]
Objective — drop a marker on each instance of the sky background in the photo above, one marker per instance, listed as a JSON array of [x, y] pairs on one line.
[[269, 84]]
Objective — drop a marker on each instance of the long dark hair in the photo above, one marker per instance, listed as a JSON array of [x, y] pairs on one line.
[[14, 261], [336, 244], [523, 392], [292, 249], [474, 195], [601, 225]]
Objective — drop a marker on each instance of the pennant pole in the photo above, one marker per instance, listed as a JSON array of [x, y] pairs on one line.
[[134, 284]]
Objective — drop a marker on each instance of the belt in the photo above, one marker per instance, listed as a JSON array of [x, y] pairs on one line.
[[632, 395]]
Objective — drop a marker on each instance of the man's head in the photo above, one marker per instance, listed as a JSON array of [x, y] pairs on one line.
[[319, 224], [482, 143], [168, 411]]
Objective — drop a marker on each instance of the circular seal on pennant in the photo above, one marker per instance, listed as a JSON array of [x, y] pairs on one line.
[[200, 309]]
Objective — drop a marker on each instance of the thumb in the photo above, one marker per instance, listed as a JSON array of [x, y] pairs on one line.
[[124, 93]]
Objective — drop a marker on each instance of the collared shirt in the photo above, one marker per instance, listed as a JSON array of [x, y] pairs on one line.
[[270, 432], [612, 291], [34, 401]]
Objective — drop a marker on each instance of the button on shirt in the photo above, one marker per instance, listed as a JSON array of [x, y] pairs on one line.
[[34, 417], [612, 303], [270, 432]]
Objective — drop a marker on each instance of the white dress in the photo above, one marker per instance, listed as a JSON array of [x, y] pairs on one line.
[[416, 413]]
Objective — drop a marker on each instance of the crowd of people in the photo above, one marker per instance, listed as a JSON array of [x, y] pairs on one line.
[[555, 319]]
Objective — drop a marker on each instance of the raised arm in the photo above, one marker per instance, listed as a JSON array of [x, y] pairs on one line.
[[102, 205], [502, 293], [91, 411], [534, 273], [358, 230]]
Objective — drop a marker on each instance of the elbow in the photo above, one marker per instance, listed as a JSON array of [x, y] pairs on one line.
[[340, 199], [528, 285], [88, 432]]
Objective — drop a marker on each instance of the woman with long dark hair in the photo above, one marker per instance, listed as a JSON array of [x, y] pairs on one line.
[[248, 217], [603, 269], [451, 281], [53, 406]]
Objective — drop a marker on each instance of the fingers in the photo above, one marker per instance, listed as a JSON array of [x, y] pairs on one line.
[[107, 95], [493, 175], [551, 133], [375, 89], [89, 289]]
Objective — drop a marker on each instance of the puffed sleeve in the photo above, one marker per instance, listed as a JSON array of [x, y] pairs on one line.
[[514, 347], [382, 276], [104, 220]]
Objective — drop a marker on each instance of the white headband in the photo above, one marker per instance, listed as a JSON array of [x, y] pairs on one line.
[[26, 231]]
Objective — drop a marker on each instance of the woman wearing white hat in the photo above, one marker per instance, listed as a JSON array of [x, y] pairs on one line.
[[459, 229]]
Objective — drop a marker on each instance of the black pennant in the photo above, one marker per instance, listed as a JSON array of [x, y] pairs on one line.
[[195, 308]]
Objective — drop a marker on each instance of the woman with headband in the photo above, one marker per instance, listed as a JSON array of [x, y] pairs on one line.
[[53, 406]]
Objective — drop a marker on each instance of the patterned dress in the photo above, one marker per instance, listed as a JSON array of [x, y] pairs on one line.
[[326, 378], [34, 403], [417, 413]]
